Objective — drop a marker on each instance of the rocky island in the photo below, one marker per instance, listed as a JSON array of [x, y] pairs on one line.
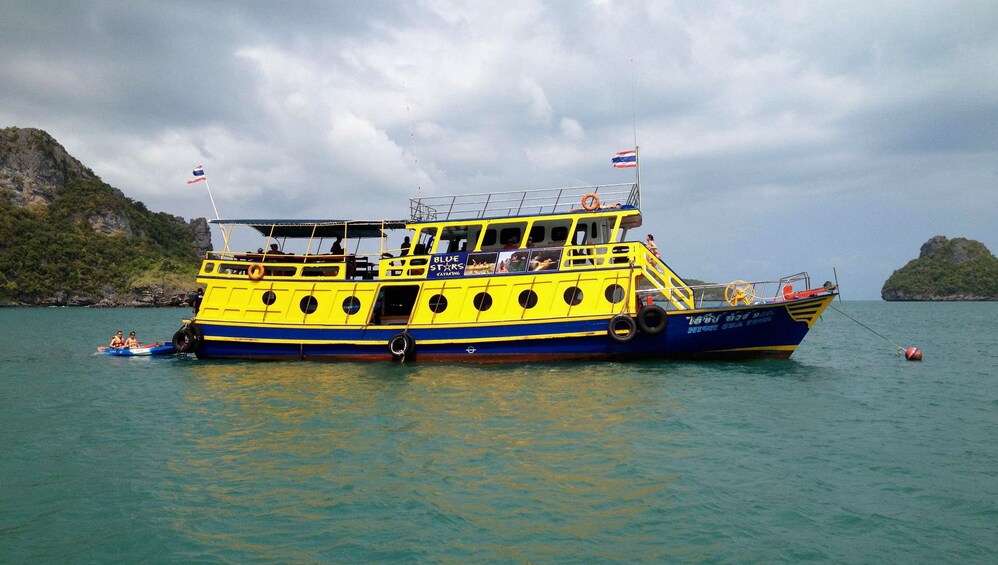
[[946, 270], [69, 239]]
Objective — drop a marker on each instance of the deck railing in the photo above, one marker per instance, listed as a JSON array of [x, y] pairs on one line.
[[521, 203]]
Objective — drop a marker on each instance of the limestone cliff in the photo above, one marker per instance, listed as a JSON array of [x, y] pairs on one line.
[[68, 238], [946, 270]]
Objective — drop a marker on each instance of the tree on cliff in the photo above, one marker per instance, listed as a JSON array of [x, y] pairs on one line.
[[66, 237], [946, 269]]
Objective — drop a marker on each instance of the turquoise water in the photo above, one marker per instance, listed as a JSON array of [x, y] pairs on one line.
[[843, 454]]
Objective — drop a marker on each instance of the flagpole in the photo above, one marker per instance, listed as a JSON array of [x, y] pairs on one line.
[[199, 172], [637, 172], [206, 185]]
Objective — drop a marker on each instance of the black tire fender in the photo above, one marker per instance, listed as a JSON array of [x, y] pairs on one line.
[[187, 338], [401, 345], [652, 320], [621, 328]]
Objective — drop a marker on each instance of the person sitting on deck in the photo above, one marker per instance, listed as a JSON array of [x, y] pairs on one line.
[[117, 342], [337, 248], [274, 250], [131, 341]]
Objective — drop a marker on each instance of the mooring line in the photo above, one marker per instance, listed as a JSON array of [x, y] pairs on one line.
[[832, 306]]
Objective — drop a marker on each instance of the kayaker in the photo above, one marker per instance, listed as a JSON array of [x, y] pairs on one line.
[[131, 341], [117, 341]]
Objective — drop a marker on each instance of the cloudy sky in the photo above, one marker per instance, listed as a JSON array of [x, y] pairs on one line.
[[776, 137]]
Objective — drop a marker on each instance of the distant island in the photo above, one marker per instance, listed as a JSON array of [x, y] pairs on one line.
[[69, 239], [946, 270]]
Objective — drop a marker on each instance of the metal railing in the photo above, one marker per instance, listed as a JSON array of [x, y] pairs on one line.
[[717, 295], [521, 203]]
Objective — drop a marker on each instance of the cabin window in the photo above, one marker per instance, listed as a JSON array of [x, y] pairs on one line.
[[500, 235], [351, 305], [482, 301], [489, 238], [308, 304], [438, 303], [457, 238], [324, 271], [510, 236], [269, 297], [559, 234], [424, 241], [209, 267], [528, 299], [614, 293], [537, 234], [573, 296]]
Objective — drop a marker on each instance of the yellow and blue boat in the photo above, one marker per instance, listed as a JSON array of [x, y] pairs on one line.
[[536, 275]]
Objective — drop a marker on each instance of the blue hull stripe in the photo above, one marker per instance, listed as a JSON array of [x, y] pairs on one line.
[[755, 331]]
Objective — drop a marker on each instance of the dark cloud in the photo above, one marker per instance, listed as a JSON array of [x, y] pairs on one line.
[[775, 136]]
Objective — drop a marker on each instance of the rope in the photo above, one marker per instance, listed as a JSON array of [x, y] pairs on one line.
[[832, 306]]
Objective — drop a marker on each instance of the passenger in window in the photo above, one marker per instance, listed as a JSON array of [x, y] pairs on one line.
[[512, 243]]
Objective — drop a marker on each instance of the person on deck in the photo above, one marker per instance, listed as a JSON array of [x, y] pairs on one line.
[[274, 250], [650, 244], [117, 342], [195, 299], [337, 248], [405, 247], [131, 341]]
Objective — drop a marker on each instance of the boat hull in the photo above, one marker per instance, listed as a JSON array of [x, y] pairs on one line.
[[769, 330]]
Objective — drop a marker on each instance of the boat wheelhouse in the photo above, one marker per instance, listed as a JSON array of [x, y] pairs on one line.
[[535, 275]]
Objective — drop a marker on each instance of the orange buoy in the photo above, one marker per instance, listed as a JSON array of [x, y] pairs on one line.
[[913, 354]]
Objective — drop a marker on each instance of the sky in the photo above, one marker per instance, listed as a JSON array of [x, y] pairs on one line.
[[775, 137]]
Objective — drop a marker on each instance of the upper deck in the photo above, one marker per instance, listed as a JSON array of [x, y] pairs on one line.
[[521, 203]]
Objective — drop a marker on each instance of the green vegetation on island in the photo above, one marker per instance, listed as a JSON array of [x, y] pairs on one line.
[[68, 238], [946, 269]]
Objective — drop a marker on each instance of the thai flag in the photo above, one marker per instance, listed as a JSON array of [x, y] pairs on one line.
[[625, 159], [198, 175]]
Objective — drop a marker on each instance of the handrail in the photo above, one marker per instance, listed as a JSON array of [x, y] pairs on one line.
[[521, 202]]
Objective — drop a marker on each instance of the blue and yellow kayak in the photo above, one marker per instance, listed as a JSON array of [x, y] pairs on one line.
[[145, 350]]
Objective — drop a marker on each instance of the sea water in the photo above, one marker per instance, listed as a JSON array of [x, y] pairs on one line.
[[845, 453]]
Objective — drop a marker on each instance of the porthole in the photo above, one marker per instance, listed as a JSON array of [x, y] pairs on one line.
[[438, 303], [528, 299], [209, 267], [482, 301], [573, 296], [269, 297], [351, 305], [614, 293], [308, 304]]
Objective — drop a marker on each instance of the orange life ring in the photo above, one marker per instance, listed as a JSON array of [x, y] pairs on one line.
[[590, 202], [254, 271]]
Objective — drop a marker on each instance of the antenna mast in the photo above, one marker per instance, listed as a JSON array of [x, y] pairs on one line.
[[412, 140], [637, 150]]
